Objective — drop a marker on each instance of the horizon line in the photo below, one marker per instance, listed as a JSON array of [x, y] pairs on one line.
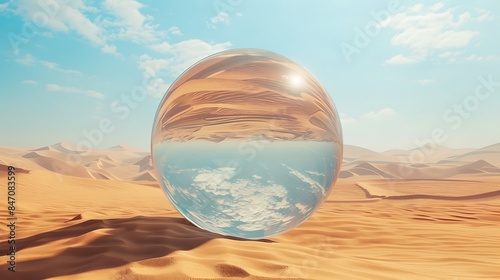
[[138, 149]]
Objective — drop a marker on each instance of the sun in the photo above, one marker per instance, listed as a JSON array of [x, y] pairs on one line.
[[296, 80]]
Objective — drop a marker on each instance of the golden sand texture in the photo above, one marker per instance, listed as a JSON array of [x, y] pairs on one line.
[[371, 227], [80, 228]]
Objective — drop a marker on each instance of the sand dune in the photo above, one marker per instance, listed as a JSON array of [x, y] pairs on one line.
[[353, 154], [5, 168], [123, 162], [366, 168], [345, 174], [432, 153], [429, 189], [59, 166], [489, 153], [144, 164], [145, 176], [102, 229], [114, 222], [420, 171], [120, 162]]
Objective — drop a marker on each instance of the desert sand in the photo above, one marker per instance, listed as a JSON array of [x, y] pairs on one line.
[[106, 218]]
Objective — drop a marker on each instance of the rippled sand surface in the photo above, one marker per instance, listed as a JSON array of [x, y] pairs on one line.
[[75, 226]]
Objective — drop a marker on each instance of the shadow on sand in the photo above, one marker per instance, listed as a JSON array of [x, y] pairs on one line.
[[101, 244]]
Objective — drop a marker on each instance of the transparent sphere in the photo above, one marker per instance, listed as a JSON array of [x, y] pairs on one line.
[[246, 143]]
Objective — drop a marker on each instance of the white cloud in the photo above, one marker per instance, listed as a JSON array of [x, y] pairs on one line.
[[450, 54], [239, 14], [316, 187], [174, 30], [425, 81], [147, 34], [54, 66], [131, 24], [59, 88], [436, 7], [484, 15], [458, 57], [186, 53], [69, 16], [29, 59], [402, 59], [257, 206], [416, 8], [221, 17], [315, 173], [3, 6], [150, 67], [110, 49], [464, 18], [157, 87], [164, 47], [475, 57], [303, 208], [93, 93], [347, 120], [383, 113], [177, 58], [118, 20], [30, 82], [156, 69], [425, 30], [127, 11]]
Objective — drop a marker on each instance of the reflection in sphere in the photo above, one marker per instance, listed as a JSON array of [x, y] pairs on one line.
[[246, 143]]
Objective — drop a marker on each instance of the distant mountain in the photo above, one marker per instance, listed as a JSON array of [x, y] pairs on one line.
[[115, 163], [123, 147], [123, 162], [63, 147]]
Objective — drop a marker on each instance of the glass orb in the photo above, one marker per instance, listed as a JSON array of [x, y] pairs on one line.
[[246, 143]]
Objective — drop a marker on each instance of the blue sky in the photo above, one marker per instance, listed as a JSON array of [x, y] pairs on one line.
[[399, 72]]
